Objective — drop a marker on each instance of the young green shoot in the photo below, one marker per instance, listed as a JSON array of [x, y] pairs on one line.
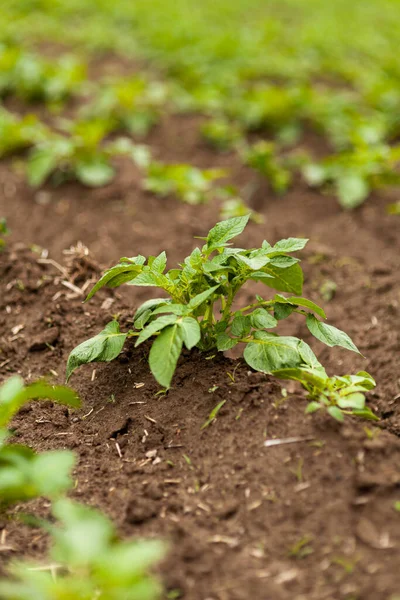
[[198, 312]]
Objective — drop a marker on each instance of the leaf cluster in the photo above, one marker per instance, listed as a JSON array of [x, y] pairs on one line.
[[205, 286], [338, 395], [19, 133], [188, 183], [263, 158], [354, 173], [23, 473], [87, 561], [83, 155], [129, 104], [33, 78]]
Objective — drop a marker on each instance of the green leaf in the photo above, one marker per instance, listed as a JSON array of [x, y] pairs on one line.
[[282, 311], [40, 164], [352, 189], [164, 354], [224, 342], [190, 332], [285, 280], [356, 401], [365, 413], [13, 395], [365, 379], [336, 413], [241, 325], [159, 263], [85, 534], [329, 335], [303, 375], [269, 353], [262, 319], [152, 278], [213, 414], [254, 263], [150, 305], [51, 472], [94, 173], [283, 262], [196, 301], [105, 346], [155, 327], [289, 245], [224, 231], [305, 303], [176, 309], [309, 357], [312, 407], [116, 276]]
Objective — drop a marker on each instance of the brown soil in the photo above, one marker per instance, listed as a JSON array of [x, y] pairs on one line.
[[314, 520]]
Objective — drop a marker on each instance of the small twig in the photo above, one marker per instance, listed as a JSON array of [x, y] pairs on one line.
[[72, 287], [50, 261], [150, 419], [118, 449], [290, 440]]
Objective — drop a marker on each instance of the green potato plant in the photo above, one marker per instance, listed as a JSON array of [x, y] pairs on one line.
[[205, 286], [130, 104], [33, 78], [82, 156], [262, 157], [19, 133], [354, 173], [188, 183], [86, 562], [24, 474], [221, 133]]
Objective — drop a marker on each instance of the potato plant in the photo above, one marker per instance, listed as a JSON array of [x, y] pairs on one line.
[[188, 183], [354, 173], [24, 474], [82, 155], [87, 559], [130, 104], [262, 158], [86, 562], [19, 133], [33, 78], [89, 562], [200, 309]]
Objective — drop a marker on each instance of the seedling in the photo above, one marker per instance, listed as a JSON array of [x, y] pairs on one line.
[[221, 133], [23, 473], [262, 157], [33, 78], [129, 104], [356, 172], [302, 548], [208, 281], [213, 414], [339, 396], [189, 184], [81, 156], [17, 134], [86, 562]]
